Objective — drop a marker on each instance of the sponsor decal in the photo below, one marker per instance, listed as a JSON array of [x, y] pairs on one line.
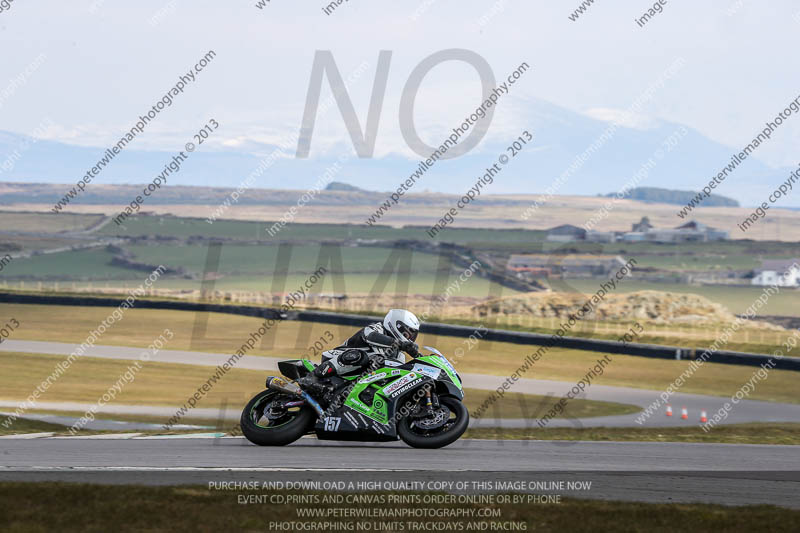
[[447, 364], [389, 362], [396, 372], [373, 377], [357, 405], [351, 419], [390, 388], [431, 371], [406, 388]]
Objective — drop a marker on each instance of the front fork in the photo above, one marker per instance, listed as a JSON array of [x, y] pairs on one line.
[[429, 405]]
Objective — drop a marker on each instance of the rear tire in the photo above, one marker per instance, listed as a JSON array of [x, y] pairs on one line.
[[296, 425], [414, 437]]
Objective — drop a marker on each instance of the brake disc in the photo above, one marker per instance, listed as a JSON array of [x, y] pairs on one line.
[[435, 420]]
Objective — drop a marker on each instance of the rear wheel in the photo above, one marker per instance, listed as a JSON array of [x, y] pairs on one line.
[[443, 427], [266, 420]]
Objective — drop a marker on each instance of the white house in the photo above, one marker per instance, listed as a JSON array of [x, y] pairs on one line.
[[783, 273]]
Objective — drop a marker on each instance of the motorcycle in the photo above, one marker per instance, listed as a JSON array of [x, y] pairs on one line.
[[419, 401]]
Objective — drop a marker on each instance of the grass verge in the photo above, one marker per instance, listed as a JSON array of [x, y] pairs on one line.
[[23, 425], [82, 507], [764, 433]]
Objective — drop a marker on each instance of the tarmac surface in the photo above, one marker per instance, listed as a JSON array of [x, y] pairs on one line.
[[649, 472]]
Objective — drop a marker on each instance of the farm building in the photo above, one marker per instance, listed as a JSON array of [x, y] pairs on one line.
[[601, 236], [642, 226], [690, 232], [783, 273], [566, 233], [640, 232]]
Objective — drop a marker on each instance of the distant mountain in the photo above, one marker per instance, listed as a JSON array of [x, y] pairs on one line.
[[669, 196], [560, 136], [341, 186]]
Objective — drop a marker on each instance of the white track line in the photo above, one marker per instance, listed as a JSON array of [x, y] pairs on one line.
[[123, 436], [186, 436], [28, 436], [106, 436], [189, 469]]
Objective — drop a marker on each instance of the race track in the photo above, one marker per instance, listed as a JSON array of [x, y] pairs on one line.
[[745, 411], [631, 471], [651, 472]]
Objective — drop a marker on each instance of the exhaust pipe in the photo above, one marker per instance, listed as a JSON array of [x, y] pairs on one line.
[[279, 385]]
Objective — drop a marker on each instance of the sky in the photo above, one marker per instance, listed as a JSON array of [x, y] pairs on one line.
[[99, 64]]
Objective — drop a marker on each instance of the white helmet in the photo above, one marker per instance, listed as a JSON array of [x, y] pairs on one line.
[[401, 324]]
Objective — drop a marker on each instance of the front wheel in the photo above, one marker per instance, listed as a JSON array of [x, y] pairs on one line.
[[267, 421], [443, 427]]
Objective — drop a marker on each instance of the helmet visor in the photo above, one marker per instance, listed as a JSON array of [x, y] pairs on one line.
[[407, 332]]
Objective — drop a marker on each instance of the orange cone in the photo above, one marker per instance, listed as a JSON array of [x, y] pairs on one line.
[[703, 416], [669, 410], [684, 413]]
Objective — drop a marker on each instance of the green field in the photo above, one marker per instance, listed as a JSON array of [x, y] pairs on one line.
[[418, 284], [263, 258], [46, 222], [708, 262], [253, 267], [249, 258], [393, 271], [244, 230], [425, 284], [69, 265], [30, 243]]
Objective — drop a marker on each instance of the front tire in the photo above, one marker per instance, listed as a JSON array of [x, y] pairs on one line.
[[418, 437], [258, 429]]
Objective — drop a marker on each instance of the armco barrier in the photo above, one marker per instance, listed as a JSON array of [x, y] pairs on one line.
[[514, 337], [91, 301]]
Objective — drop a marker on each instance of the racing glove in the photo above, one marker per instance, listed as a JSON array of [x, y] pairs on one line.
[[410, 347]]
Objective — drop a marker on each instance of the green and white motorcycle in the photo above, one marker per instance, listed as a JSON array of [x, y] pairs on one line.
[[419, 402]]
